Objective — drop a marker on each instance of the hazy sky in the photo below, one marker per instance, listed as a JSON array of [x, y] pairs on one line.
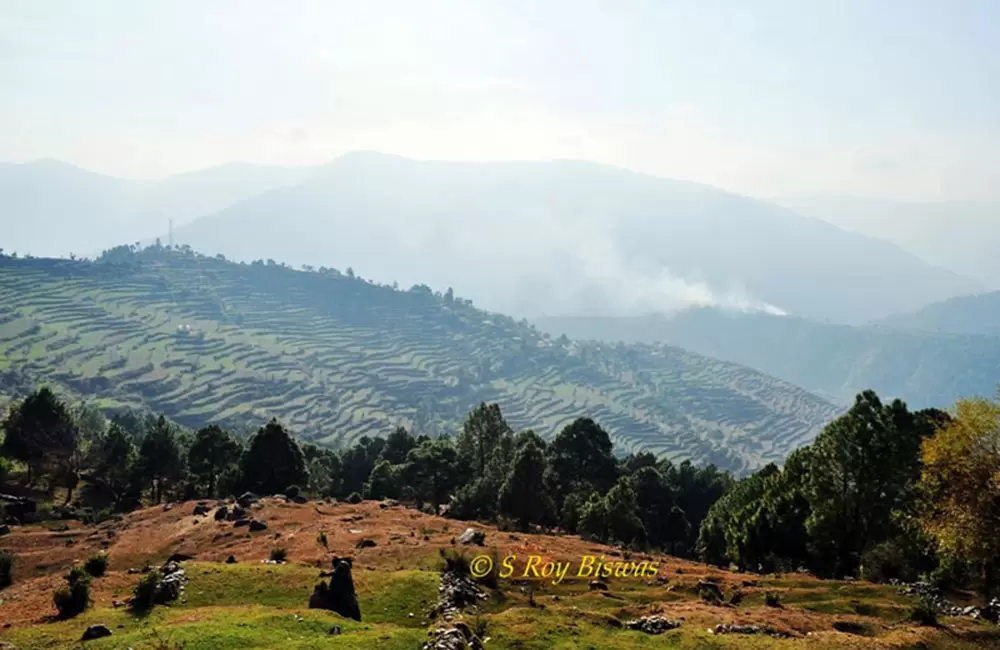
[[891, 98]]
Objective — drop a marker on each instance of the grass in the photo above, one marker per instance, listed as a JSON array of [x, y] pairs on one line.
[[282, 342]]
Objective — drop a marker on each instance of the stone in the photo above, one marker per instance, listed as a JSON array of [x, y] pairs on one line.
[[200, 510], [4, 529], [653, 624], [597, 585], [97, 631], [338, 594], [367, 543], [179, 557], [300, 499], [239, 523], [247, 499], [472, 536], [222, 513], [335, 630], [168, 507], [257, 525], [231, 560]]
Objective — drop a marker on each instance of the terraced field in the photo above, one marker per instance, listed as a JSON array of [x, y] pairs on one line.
[[336, 358]]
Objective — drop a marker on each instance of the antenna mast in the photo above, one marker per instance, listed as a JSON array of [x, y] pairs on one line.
[[170, 236]]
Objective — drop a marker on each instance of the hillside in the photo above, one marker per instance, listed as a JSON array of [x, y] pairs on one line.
[[979, 314], [335, 358], [570, 237], [252, 604], [836, 361]]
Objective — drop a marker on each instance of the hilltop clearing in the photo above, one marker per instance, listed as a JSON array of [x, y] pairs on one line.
[[256, 604]]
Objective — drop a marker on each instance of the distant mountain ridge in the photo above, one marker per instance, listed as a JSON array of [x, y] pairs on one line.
[[522, 238], [977, 314], [835, 361], [336, 358], [571, 237]]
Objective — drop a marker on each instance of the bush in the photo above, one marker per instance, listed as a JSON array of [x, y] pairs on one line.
[[144, 594], [772, 599], [354, 498], [279, 555], [6, 569], [887, 561], [292, 491], [323, 541], [924, 612], [96, 565], [75, 597], [455, 562]]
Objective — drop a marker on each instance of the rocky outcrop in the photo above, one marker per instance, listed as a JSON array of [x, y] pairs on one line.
[[338, 594], [459, 637], [930, 593], [652, 624], [733, 628]]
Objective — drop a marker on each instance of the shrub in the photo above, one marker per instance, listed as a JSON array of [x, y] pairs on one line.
[[455, 561], [74, 598], [96, 565], [323, 541], [772, 599], [354, 498], [6, 569], [885, 562], [144, 594], [924, 612], [292, 491], [279, 555]]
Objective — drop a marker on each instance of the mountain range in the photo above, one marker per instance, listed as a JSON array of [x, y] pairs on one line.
[[528, 239]]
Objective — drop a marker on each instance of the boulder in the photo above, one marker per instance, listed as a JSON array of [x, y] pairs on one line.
[[338, 595], [200, 510], [597, 585], [652, 624], [247, 499], [4, 530], [239, 523], [236, 513], [300, 499], [367, 543], [95, 632], [222, 513], [231, 560], [472, 536], [257, 525]]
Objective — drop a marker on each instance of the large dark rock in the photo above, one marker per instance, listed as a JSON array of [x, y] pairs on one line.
[[222, 513], [257, 525], [4, 530], [95, 632], [200, 510], [338, 595], [247, 499], [236, 513], [179, 557]]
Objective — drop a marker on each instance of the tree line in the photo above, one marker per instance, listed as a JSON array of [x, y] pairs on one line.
[[883, 492]]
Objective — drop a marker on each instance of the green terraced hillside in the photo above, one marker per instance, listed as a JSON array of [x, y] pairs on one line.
[[336, 357]]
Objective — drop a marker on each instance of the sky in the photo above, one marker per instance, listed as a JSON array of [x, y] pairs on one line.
[[893, 99]]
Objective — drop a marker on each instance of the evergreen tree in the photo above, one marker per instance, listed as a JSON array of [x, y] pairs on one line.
[[41, 433], [522, 495], [273, 461], [212, 452], [160, 461]]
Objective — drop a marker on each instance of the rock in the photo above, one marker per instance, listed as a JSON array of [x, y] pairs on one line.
[[338, 595], [168, 507], [200, 510], [472, 536], [231, 560], [709, 591], [453, 638], [222, 513], [12, 521], [597, 585], [179, 557], [300, 499], [4, 529], [239, 523], [335, 630], [247, 499], [367, 543], [652, 624], [257, 525], [236, 513], [95, 632], [727, 628]]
